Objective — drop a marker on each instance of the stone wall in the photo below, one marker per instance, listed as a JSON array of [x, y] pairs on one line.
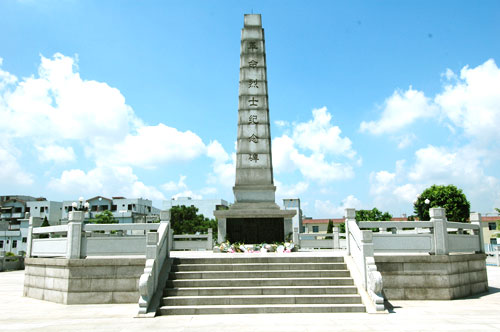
[[432, 277], [83, 281]]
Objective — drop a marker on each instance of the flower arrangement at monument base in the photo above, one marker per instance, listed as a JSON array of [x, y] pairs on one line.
[[283, 247]]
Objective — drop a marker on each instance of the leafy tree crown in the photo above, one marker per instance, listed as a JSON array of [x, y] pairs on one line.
[[448, 197]]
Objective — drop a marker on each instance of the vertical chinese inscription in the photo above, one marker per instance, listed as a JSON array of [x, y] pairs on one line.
[[252, 119], [253, 101], [252, 46], [253, 157], [252, 84]]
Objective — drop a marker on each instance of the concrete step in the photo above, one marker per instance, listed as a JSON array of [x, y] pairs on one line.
[[269, 290], [258, 267], [257, 259], [260, 309], [259, 274], [261, 299], [251, 282]]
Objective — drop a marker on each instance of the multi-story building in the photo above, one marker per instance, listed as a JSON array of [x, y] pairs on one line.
[[14, 221], [206, 207], [490, 229], [125, 210]]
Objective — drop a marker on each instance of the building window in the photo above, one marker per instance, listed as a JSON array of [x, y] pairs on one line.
[[25, 240], [14, 244], [93, 208], [18, 210], [27, 209], [1, 244], [129, 208], [492, 241], [42, 208], [315, 229], [492, 226], [103, 207], [114, 207]]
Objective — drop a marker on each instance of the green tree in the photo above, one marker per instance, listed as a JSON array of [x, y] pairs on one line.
[[329, 228], [373, 215], [105, 217], [45, 222], [449, 197], [186, 220]]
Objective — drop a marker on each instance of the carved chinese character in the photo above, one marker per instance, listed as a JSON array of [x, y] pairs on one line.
[[253, 101], [252, 46], [253, 64], [252, 119], [253, 138], [253, 157], [252, 84]]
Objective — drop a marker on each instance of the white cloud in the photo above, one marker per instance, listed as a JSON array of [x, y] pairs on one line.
[[381, 182], [6, 78], [407, 192], [291, 190], [55, 153], [223, 166], [187, 193], [327, 209], [399, 111], [11, 173], [106, 181], [406, 140], [317, 169], [284, 154], [320, 136], [60, 105], [175, 186], [473, 101], [151, 146]]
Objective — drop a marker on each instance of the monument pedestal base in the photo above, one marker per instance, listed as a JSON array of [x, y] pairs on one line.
[[249, 223]]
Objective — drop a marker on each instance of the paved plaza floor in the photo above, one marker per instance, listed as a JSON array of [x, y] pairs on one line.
[[18, 313]]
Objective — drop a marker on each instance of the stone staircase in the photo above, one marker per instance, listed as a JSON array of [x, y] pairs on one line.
[[259, 284]]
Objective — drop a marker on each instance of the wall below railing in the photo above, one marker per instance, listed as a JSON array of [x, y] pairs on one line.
[[83, 281], [432, 277], [11, 263]]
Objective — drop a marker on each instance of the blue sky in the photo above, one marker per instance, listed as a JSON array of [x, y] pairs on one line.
[[371, 101]]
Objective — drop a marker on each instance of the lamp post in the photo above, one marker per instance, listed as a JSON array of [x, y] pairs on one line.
[[81, 205]]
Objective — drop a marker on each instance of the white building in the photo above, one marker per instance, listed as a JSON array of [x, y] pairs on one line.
[[205, 207], [125, 210], [14, 222]]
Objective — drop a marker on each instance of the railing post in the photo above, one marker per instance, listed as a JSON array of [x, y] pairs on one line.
[[210, 239], [30, 238], [350, 214], [438, 218], [151, 243], [336, 239], [74, 237], [367, 251], [475, 219]]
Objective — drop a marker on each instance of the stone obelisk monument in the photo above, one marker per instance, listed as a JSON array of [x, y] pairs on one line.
[[254, 217]]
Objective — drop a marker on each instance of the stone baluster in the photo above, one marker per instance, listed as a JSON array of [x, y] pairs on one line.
[[336, 238], [210, 239], [475, 219], [74, 238], [438, 218]]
